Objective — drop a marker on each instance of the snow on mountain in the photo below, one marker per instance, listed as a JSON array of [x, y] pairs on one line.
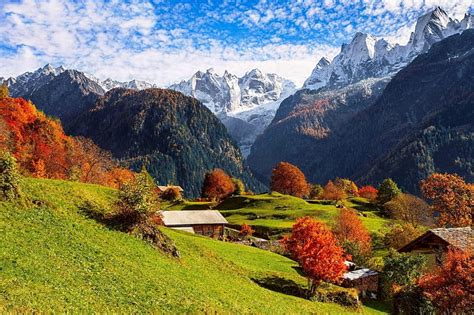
[[25, 84], [249, 102], [367, 57]]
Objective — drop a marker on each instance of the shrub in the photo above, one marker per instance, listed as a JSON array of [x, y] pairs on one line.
[[316, 192], [411, 300], [331, 293], [246, 230], [401, 270], [9, 177], [239, 186], [171, 194], [137, 200]]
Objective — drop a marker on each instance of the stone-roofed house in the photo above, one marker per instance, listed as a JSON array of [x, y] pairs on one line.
[[435, 242], [205, 222], [162, 189]]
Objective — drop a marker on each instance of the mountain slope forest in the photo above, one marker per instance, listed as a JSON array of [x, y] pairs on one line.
[[176, 137], [421, 123]]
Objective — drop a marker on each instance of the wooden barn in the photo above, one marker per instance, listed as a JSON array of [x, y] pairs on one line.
[[365, 280], [204, 222], [435, 242]]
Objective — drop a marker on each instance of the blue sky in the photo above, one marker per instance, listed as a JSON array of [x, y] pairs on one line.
[[166, 41]]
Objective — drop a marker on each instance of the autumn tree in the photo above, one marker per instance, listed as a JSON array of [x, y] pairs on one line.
[[4, 91], [316, 192], [401, 234], [239, 186], [246, 230], [290, 180], [217, 185], [401, 270], [9, 177], [451, 287], [388, 189], [368, 192], [313, 245], [451, 197], [348, 229], [347, 186], [137, 199], [332, 192], [410, 209]]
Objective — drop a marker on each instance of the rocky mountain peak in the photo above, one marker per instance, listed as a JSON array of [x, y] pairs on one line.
[[367, 57]]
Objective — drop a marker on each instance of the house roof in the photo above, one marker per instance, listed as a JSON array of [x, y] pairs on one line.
[[164, 188], [359, 273], [461, 238], [192, 217]]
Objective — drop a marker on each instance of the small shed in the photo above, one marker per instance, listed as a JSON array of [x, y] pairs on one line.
[[162, 189], [435, 242], [365, 280], [204, 222]]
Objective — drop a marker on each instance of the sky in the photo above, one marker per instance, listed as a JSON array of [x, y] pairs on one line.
[[164, 42]]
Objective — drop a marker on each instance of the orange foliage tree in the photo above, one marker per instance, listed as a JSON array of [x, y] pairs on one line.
[[217, 185], [332, 192], [451, 197], [369, 192], [289, 179], [349, 228], [42, 149], [451, 287], [246, 230], [313, 246]]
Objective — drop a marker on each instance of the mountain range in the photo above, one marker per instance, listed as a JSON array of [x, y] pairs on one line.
[[368, 57], [246, 105]]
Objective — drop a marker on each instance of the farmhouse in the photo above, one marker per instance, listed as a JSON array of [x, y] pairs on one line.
[[162, 189], [435, 242], [365, 280], [205, 222]]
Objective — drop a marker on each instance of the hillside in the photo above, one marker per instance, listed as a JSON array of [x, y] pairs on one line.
[[272, 215], [54, 258], [175, 136], [419, 124]]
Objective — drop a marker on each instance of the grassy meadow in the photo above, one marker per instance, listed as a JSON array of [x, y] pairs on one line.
[[54, 258]]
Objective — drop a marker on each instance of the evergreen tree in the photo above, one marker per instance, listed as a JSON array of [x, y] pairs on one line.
[[9, 177], [387, 191], [4, 91]]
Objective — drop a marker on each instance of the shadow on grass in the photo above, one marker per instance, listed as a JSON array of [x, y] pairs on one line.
[[283, 285]]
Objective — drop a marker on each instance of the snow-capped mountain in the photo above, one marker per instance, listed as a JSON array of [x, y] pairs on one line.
[[367, 56], [230, 94], [249, 102], [25, 84]]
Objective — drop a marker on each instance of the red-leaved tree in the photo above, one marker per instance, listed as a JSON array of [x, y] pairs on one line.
[[217, 185], [349, 228], [289, 179], [451, 287], [451, 197], [313, 246], [369, 192]]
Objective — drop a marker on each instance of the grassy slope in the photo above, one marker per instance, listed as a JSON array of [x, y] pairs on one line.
[[54, 258], [274, 213]]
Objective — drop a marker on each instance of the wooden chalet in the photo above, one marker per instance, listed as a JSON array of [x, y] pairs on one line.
[[204, 222], [162, 189], [435, 242], [365, 280]]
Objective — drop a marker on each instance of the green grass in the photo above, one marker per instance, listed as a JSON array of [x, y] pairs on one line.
[[55, 259], [274, 214]]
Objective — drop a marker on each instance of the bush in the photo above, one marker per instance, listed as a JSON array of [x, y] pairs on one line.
[[9, 177], [335, 294], [316, 192], [171, 194], [239, 186], [411, 300], [137, 200]]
